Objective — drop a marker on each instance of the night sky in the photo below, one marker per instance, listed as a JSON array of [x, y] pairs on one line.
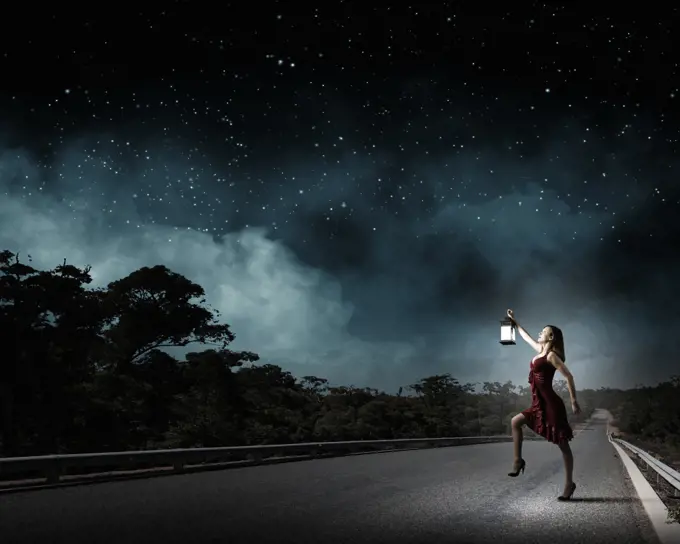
[[363, 191]]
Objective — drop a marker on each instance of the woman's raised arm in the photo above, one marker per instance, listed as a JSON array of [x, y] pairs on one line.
[[523, 333]]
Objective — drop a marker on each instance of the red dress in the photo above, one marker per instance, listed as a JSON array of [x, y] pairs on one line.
[[547, 415]]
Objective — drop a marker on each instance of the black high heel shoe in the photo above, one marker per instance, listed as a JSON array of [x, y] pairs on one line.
[[520, 468], [567, 497]]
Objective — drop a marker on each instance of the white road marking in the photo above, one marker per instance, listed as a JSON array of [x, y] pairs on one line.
[[583, 426], [668, 533]]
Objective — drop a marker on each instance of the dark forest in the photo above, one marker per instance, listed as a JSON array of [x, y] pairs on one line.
[[87, 370]]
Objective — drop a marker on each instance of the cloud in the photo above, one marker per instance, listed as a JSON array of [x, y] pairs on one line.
[[420, 295], [290, 313]]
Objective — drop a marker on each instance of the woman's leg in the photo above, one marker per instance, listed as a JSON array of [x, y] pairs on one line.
[[517, 436], [568, 458]]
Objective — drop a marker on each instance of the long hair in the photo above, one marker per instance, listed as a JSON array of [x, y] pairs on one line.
[[558, 342]]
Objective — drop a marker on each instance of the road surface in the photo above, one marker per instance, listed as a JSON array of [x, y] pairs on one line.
[[448, 495]]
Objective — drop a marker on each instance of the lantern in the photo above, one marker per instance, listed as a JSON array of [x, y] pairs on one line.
[[507, 332]]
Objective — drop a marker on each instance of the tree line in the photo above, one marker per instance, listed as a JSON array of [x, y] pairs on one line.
[[85, 370], [648, 416]]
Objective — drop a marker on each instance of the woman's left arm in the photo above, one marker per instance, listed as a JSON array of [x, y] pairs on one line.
[[558, 363]]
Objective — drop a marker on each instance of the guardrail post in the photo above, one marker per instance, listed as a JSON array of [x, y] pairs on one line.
[[256, 457], [53, 472], [178, 466], [658, 458]]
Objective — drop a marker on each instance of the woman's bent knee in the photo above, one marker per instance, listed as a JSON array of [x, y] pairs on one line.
[[518, 421]]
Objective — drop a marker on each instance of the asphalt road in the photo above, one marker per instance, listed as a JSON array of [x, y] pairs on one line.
[[448, 495]]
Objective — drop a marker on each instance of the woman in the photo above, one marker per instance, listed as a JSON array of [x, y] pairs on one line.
[[547, 415]]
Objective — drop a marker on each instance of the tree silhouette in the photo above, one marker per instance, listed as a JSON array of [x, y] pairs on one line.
[[155, 308]]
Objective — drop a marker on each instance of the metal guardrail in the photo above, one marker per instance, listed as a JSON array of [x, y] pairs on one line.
[[53, 467], [669, 474]]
